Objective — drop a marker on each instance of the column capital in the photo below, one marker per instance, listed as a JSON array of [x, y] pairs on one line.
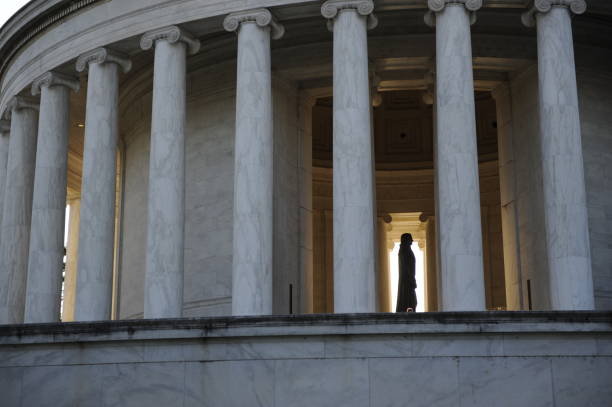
[[5, 126], [18, 103], [54, 79], [429, 79], [385, 217], [544, 6], [436, 6], [426, 217], [171, 34], [260, 16], [102, 55], [331, 8]]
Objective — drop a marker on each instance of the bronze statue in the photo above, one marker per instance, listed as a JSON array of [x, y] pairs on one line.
[[406, 295]]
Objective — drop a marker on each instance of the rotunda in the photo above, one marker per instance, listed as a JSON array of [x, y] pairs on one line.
[[200, 202]]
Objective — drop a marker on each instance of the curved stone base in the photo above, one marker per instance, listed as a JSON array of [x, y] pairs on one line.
[[432, 359]]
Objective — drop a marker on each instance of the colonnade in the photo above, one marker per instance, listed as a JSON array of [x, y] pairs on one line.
[[34, 148]]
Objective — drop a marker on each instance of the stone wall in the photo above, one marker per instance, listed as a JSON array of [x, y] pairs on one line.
[[595, 95], [209, 175], [451, 359]]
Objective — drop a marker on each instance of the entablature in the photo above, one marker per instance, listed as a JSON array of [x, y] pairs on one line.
[[33, 41]]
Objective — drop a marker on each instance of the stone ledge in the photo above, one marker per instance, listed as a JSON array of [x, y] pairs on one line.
[[361, 360], [313, 324]]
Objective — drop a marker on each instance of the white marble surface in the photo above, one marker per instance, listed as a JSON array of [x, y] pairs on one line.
[[253, 175], [567, 233], [301, 382], [287, 227], [254, 378], [306, 265], [516, 381], [421, 384], [458, 194], [528, 173], [353, 184], [508, 195], [17, 211], [166, 211], [595, 95], [5, 129], [97, 217], [593, 388], [46, 251], [209, 194], [472, 362]]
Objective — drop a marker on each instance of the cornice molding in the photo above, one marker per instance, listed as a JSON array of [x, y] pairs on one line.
[[20, 36], [544, 6], [260, 16], [436, 6], [19, 103], [172, 34], [331, 8], [55, 79], [5, 126], [102, 55]]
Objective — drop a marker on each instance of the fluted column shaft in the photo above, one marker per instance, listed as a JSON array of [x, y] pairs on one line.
[[166, 204], [566, 219], [97, 218], [253, 164], [458, 193], [46, 249], [353, 183], [17, 211]]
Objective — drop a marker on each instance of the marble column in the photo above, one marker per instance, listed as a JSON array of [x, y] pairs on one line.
[[354, 195], [566, 220], [458, 194], [166, 203], [306, 209], [253, 159], [97, 218], [383, 283], [45, 264], [5, 130], [509, 206], [431, 268], [17, 209], [72, 256]]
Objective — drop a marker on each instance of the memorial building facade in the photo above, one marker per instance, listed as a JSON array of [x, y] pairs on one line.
[[199, 199]]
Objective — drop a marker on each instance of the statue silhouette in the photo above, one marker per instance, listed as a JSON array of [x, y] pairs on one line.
[[406, 295]]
